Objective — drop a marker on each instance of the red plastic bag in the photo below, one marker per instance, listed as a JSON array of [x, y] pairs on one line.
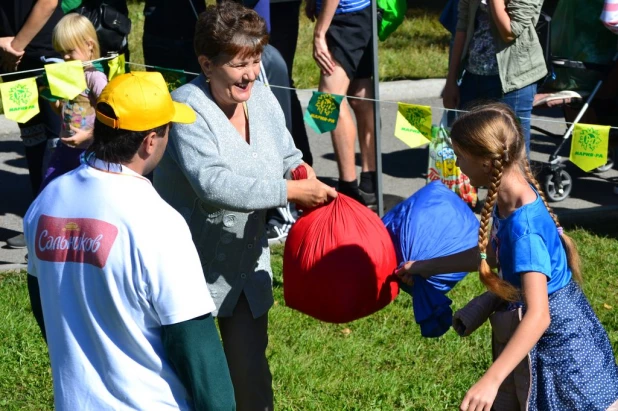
[[338, 263]]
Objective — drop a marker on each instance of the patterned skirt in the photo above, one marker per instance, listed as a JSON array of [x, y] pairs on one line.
[[573, 366]]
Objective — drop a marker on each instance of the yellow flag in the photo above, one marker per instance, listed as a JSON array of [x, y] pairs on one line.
[[66, 80], [589, 146], [116, 66], [20, 99], [413, 125]]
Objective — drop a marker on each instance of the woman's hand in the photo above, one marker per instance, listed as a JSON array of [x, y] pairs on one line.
[[81, 139], [8, 55], [481, 396], [406, 273], [310, 172], [450, 95], [310, 193]]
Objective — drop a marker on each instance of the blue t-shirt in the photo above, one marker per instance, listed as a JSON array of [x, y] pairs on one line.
[[528, 240], [346, 6]]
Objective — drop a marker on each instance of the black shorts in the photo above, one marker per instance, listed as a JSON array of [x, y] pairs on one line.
[[350, 42]]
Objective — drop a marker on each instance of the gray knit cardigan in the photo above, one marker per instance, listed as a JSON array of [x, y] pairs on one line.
[[223, 186]]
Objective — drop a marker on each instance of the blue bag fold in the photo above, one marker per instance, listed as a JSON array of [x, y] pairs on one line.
[[433, 222]]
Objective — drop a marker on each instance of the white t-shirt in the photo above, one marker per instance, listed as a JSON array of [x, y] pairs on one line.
[[114, 263]]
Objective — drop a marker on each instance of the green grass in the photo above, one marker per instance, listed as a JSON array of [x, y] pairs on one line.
[[377, 363], [418, 49]]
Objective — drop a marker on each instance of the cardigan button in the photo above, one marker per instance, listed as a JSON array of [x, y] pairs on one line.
[[243, 275], [255, 155], [229, 220]]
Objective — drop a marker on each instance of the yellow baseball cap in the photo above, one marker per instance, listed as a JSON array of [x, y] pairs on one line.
[[141, 101]]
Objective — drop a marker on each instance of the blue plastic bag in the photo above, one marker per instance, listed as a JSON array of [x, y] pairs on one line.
[[434, 222]]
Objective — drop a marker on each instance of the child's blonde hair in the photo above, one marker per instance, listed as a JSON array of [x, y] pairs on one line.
[[492, 132], [74, 31]]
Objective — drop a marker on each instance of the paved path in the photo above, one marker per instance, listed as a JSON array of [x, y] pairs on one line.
[[403, 167]]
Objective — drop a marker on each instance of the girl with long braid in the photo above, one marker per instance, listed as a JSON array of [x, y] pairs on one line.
[[571, 360]]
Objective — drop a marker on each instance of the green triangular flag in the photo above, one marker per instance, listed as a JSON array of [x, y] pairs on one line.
[[174, 78], [323, 111]]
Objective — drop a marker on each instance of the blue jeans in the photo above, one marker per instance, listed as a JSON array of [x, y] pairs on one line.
[[474, 87]]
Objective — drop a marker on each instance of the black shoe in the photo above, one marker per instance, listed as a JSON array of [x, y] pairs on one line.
[[369, 199], [18, 241]]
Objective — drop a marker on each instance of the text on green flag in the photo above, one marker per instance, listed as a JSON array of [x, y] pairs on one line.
[[323, 111]]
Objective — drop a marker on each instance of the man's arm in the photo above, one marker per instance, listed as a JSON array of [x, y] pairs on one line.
[[35, 303], [194, 349], [41, 12]]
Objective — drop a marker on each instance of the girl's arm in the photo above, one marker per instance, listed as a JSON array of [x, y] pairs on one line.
[[514, 18], [533, 325], [467, 260], [450, 96], [502, 20]]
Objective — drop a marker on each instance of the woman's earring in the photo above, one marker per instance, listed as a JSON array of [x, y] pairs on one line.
[[207, 80]]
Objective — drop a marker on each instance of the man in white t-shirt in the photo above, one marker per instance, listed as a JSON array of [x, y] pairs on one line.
[[125, 310]]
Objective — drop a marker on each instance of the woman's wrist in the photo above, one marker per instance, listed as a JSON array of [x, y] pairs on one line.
[[292, 189]]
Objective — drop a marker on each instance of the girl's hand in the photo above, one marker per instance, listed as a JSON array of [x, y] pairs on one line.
[[81, 139], [481, 396], [406, 273]]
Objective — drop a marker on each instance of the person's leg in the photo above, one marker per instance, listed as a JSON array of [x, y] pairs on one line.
[[344, 135], [365, 123], [244, 341], [521, 102], [284, 23]]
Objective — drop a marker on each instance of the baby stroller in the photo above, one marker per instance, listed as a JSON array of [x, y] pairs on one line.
[[575, 85]]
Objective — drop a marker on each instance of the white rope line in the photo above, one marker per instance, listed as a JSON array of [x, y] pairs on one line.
[[84, 63], [566, 123], [371, 99]]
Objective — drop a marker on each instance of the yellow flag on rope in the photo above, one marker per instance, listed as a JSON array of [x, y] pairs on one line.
[[116, 67], [66, 80], [589, 146], [413, 125], [20, 99]]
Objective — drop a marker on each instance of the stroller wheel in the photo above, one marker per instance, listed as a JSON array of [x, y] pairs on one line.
[[558, 185], [611, 156]]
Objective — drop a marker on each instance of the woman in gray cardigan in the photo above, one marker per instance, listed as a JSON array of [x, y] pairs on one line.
[[222, 173]]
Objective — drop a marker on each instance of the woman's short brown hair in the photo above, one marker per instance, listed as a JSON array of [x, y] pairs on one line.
[[228, 29]]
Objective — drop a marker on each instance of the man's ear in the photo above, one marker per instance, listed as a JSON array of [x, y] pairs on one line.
[[205, 64], [149, 144]]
